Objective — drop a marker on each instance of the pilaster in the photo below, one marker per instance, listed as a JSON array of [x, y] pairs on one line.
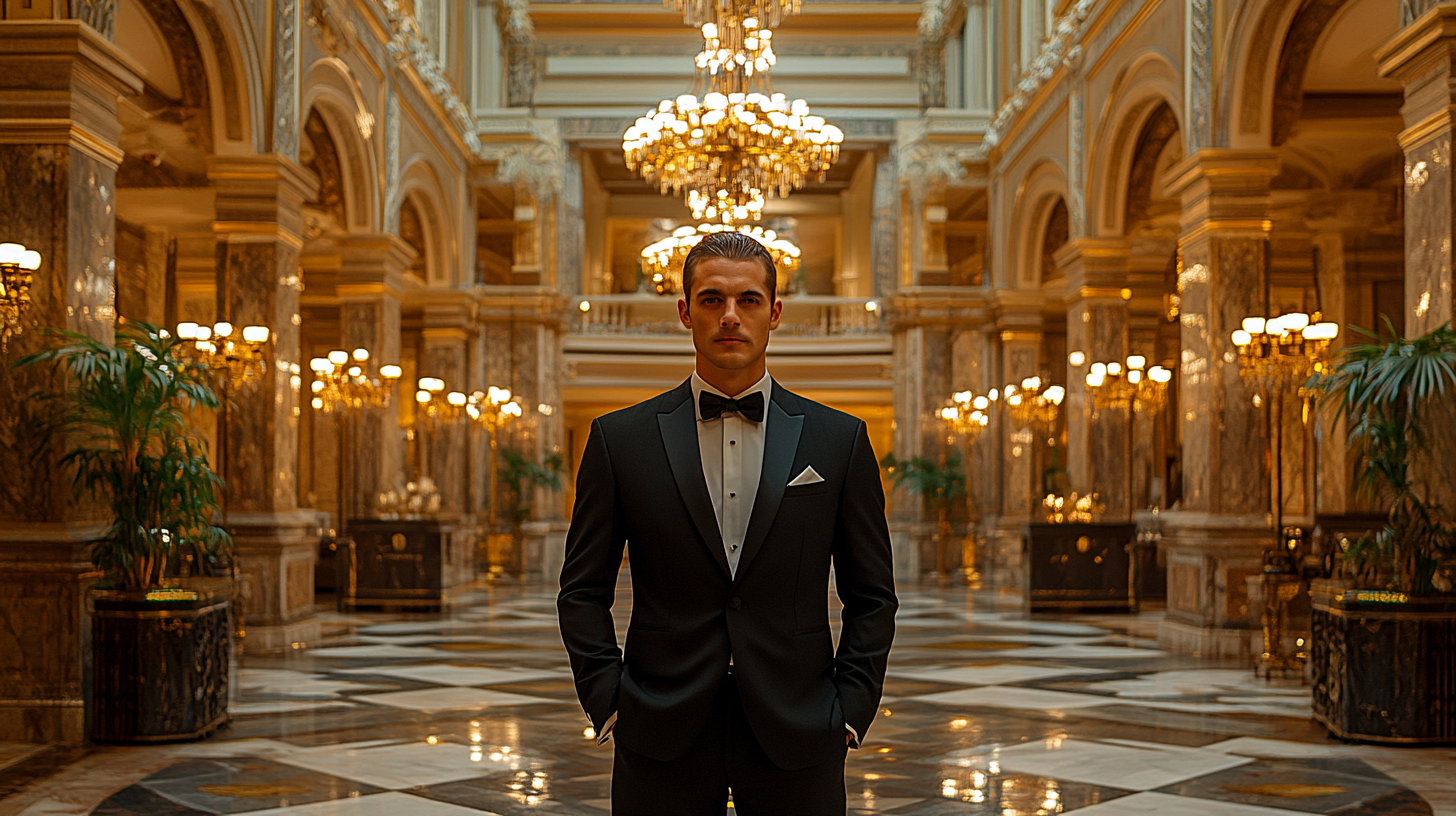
[[259, 234], [59, 86]]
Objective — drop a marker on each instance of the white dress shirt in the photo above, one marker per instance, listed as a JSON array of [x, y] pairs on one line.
[[731, 448]]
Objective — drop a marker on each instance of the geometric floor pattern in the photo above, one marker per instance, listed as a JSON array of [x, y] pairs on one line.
[[987, 711]]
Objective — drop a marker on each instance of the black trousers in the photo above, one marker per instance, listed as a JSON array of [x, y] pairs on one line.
[[725, 756]]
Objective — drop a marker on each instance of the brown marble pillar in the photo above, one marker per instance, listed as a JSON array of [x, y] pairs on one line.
[[1098, 453], [1018, 322], [447, 324], [1223, 527], [524, 329], [59, 85], [259, 227], [1423, 57], [369, 291]]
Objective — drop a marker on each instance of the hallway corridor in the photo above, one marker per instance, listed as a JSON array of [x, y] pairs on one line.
[[986, 712]]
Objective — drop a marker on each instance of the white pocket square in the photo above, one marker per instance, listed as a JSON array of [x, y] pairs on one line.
[[808, 477]]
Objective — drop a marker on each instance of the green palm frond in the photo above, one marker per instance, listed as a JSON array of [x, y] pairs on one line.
[[123, 413]]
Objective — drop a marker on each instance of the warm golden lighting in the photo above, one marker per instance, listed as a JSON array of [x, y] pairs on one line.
[[1118, 385], [662, 261], [1290, 346], [1033, 404], [340, 386], [966, 415], [234, 362], [730, 148], [731, 44]]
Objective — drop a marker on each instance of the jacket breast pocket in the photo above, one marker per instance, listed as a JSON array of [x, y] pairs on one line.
[[799, 491]]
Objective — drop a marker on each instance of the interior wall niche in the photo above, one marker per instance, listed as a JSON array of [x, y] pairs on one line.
[[412, 230], [1058, 230], [318, 152]]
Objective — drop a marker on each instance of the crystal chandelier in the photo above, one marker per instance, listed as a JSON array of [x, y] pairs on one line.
[[343, 384], [235, 362], [1119, 385], [1034, 406], [1289, 346], [733, 147], [662, 261]]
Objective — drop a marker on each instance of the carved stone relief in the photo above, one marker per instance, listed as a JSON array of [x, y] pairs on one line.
[[518, 41], [285, 80], [99, 14], [1200, 59]]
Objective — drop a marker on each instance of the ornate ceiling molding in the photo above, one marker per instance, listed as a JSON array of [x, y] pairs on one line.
[[1060, 48]]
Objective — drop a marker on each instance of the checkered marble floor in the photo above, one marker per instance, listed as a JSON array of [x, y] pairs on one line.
[[987, 711]]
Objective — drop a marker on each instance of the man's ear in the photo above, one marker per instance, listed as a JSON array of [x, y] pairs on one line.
[[682, 313], [778, 311]]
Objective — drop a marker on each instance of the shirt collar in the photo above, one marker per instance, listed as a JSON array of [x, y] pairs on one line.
[[700, 385]]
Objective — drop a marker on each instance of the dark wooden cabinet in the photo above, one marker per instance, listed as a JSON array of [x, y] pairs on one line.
[[1078, 566], [405, 564]]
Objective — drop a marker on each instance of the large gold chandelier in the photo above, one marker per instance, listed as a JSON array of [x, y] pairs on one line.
[[662, 261], [732, 147], [768, 12]]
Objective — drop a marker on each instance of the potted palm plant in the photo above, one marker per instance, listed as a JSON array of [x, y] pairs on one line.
[[942, 488], [1383, 629], [520, 478], [160, 637]]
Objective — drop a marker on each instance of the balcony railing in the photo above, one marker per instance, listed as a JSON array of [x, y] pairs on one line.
[[803, 316]]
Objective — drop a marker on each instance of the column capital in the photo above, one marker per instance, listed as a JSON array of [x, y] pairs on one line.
[[1428, 42], [373, 265], [261, 196], [1018, 311], [1094, 268], [1224, 190], [59, 84]]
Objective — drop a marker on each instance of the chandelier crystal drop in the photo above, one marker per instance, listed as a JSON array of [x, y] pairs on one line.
[[732, 45], [769, 13], [734, 145], [662, 261]]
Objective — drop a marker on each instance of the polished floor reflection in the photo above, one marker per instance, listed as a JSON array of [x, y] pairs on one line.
[[987, 711]]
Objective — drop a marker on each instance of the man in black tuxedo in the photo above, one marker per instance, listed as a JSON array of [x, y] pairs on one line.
[[734, 498]]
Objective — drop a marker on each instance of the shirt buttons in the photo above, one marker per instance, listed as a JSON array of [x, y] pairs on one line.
[[732, 495], [733, 441]]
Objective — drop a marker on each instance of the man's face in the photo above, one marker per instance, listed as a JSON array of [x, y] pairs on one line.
[[729, 312]]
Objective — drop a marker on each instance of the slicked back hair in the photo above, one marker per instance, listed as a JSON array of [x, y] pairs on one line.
[[733, 246]]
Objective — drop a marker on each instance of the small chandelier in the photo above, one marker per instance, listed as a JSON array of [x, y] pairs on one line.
[[436, 410], [726, 207], [662, 261], [1289, 346], [17, 269], [967, 415], [731, 144], [343, 384], [236, 362], [1118, 385], [1034, 404]]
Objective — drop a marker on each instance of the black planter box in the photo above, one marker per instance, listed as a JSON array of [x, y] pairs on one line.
[[404, 564], [1384, 670], [1078, 566], [159, 665]]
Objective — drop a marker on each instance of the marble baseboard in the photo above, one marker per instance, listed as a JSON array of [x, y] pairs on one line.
[[43, 721], [1180, 637], [271, 639]]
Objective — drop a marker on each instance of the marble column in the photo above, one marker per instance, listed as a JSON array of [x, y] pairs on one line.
[[370, 280], [1097, 316], [938, 350], [59, 86], [447, 327], [1018, 324], [1223, 527], [259, 227], [1423, 57], [524, 329]]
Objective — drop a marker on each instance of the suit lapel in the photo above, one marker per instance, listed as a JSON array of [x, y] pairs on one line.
[[779, 449], [680, 437]]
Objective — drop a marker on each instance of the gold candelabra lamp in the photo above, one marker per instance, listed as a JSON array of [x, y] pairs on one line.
[[1288, 347], [235, 358], [1035, 404], [342, 384], [493, 409], [436, 406], [1130, 384], [967, 415], [17, 270]]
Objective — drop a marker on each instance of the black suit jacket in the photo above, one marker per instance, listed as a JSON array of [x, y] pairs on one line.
[[641, 484]]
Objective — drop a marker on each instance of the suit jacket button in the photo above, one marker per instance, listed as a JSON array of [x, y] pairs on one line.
[[735, 603]]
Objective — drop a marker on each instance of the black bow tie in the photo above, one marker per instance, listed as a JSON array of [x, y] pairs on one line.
[[712, 406]]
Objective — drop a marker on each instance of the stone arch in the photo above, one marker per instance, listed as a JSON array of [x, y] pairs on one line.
[[421, 189], [1256, 36], [1042, 189], [332, 92], [234, 70], [1148, 85]]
